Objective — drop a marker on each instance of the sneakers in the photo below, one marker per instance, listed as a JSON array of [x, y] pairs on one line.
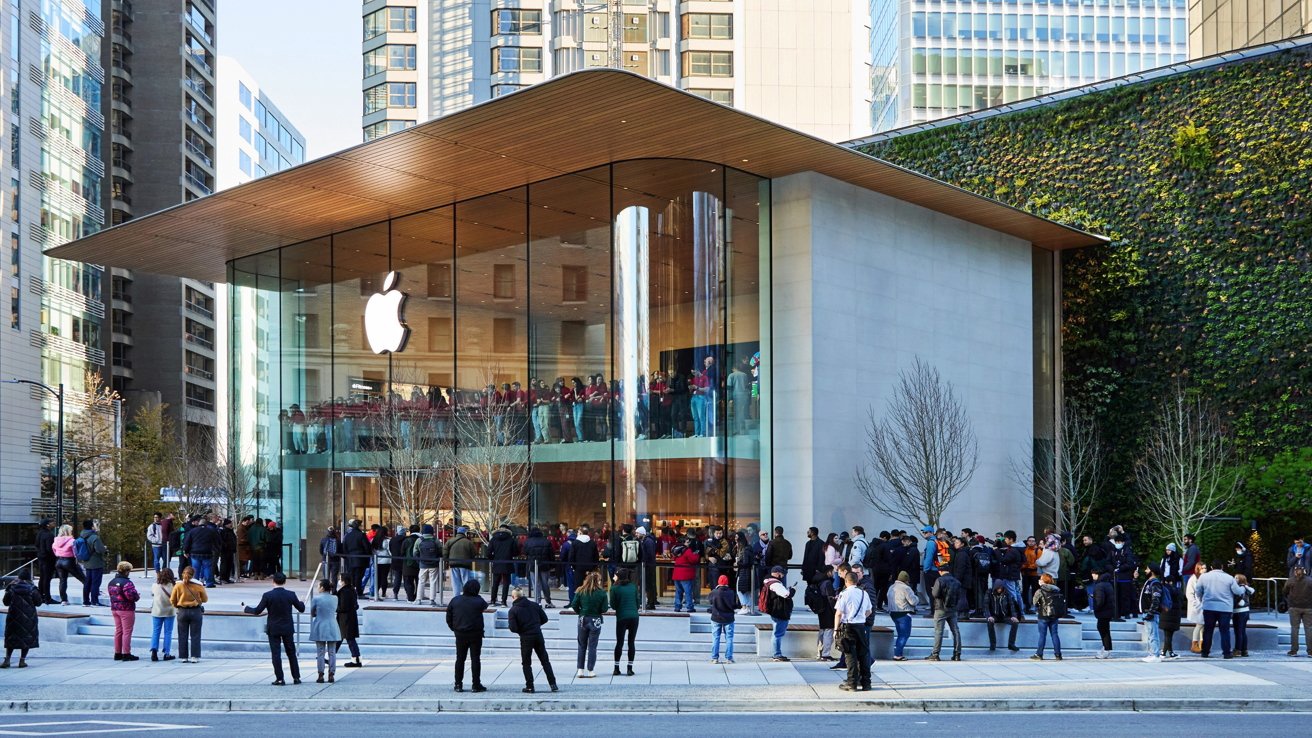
[[1036, 657], [1102, 653], [836, 667], [781, 658], [1153, 659], [581, 674], [1172, 655], [728, 661]]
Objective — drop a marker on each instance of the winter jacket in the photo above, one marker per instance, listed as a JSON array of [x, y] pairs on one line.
[[464, 614], [526, 617], [323, 618], [590, 605], [1031, 565], [203, 540], [931, 552], [583, 555], [1244, 563], [1044, 601], [62, 547], [1123, 562], [1002, 606], [459, 551], [946, 594], [348, 620], [1170, 619], [427, 551], [501, 550], [1095, 559], [22, 629], [356, 548], [410, 564], [1150, 599], [1067, 564], [647, 551], [813, 556], [746, 563], [161, 604], [1009, 564], [778, 599], [45, 540], [1244, 602], [1189, 564], [97, 548], [962, 566], [1048, 562], [1102, 598], [718, 549], [858, 551], [902, 598], [123, 594], [1216, 590], [1172, 569], [1298, 592], [779, 552], [538, 548], [624, 600], [1299, 558], [723, 604], [685, 565]]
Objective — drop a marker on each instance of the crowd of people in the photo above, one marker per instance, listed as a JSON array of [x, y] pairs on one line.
[[569, 410]]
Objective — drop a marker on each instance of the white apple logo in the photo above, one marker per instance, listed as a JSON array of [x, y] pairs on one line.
[[383, 322]]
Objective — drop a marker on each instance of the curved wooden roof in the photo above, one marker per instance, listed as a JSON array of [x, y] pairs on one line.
[[568, 124]]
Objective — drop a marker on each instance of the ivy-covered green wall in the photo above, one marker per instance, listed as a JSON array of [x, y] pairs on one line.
[[1203, 181]]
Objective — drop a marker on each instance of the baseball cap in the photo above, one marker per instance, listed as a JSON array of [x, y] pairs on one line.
[[462, 529], [927, 529], [777, 570]]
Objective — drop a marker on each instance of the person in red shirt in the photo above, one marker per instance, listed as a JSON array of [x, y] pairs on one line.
[[597, 409], [660, 405]]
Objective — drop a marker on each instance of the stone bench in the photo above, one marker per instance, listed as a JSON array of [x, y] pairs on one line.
[[1261, 637], [800, 641]]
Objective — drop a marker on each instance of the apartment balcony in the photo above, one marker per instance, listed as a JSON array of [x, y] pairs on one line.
[[198, 121], [196, 340], [200, 90], [195, 371], [200, 404], [196, 183], [123, 6], [121, 70], [121, 102], [198, 152], [200, 59], [199, 309]]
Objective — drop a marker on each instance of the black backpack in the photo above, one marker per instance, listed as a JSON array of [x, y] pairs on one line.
[[871, 557], [1057, 604], [427, 551], [951, 597], [814, 599], [983, 556]]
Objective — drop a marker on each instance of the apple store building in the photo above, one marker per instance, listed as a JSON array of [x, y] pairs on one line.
[[602, 300]]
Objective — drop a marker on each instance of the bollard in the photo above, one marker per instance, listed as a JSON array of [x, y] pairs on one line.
[[642, 585], [441, 582], [374, 564]]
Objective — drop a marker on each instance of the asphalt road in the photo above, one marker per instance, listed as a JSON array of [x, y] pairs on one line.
[[1068, 725]]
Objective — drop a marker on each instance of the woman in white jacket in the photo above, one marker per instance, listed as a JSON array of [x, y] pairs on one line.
[[1195, 612], [161, 613]]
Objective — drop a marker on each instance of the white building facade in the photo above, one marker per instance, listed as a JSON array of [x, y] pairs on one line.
[[801, 64], [937, 58], [255, 138]]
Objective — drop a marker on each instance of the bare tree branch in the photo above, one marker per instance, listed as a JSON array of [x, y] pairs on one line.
[[1185, 474], [1068, 475], [493, 482], [922, 454]]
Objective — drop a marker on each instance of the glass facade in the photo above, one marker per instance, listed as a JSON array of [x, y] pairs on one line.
[[600, 331]]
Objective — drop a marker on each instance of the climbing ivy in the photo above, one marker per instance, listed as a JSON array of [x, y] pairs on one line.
[[1203, 182]]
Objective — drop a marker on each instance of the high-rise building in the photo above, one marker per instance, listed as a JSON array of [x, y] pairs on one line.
[[936, 58], [161, 109], [1218, 26], [804, 64], [254, 137], [51, 174]]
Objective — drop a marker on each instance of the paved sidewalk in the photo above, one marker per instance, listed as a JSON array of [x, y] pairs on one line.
[[222, 684]]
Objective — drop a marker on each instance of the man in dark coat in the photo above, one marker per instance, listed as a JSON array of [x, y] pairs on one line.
[[356, 554], [227, 553], [464, 617], [501, 551], [526, 619], [813, 555], [22, 630], [45, 557], [280, 628], [201, 544], [348, 622], [537, 549], [778, 552]]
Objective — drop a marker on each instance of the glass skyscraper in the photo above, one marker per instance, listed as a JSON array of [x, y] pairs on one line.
[[938, 58]]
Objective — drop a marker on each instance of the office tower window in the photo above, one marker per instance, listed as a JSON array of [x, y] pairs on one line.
[[635, 28], [390, 20], [244, 95], [516, 59], [244, 162], [500, 90], [394, 57], [724, 97], [377, 130], [244, 127], [708, 25], [708, 63], [517, 21], [389, 95]]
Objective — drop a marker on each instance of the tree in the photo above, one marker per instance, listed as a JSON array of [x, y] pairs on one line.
[[416, 482], [1184, 475], [146, 466], [492, 482], [1068, 474], [922, 454], [92, 444]]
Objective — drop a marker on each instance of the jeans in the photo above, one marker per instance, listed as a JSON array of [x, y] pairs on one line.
[[157, 625], [589, 633], [1046, 626], [204, 564], [950, 618], [91, 586], [469, 646], [1212, 619], [1240, 623], [780, 628], [578, 422], [824, 642], [1011, 636], [325, 651], [683, 594], [1013, 589], [285, 643], [1154, 631], [722, 630], [625, 626], [189, 621], [902, 626], [529, 645], [856, 647], [157, 555], [459, 575], [124, 620], [699, 415]]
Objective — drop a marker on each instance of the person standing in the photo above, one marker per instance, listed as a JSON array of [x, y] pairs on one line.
[[396, 548], [272, 547], [647, 564], [820, 598], [1190, 561], [258, 535], [1172, 565], [383, 556], [410, 565], [624, 601], [1030, 572], [851, 610], [428, 553], [123, 596], [526, 619], [1242, 609], [779, 552], [777, 601], [745, 564], [45, 557], [1242, 563], [501, 551], [324, 629], [279, 603], [723, 602], [162, 613], [945, 595], [1299, 556], [330, 553], [188, 599], [537, 550], [1102, 598], [685, 571], [1152, 601], [201, 544], [348, 619], [22, 628], [813, 554], [65, 550], [459, 554], [1298, 596], [1049, 608], [962, 565], [1123, 563], [93, 549], [357, 554], [590, 604], [1195, 609], [902, 601], [464, 617], [1216, 591], [1169, 619], [156, 538], [244, 546], [227, 553]]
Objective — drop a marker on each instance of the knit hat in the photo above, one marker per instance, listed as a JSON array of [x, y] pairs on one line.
[[1171, 547], [723, 581], [462, 529], [904, 577], [426, 530], [640, 531], [777, 570], [980, 539]]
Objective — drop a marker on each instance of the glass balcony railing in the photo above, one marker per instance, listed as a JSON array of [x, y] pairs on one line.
[[199, 152], [202, 342]]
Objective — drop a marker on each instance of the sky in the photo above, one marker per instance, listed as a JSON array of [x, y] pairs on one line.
[[305, 55]]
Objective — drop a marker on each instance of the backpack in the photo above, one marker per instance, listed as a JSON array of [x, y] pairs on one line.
[[1057, 604], [426, 550], [775, 606], [952, 598], [629, 551], [983, 556], [871, 558], [1241, 601], [813, 599], [81, 551]]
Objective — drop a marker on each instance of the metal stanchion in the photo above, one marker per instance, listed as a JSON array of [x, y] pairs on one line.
[[146, 557], [642, 584], [534, 586], [441, 581], [374, 563], [751, 596]]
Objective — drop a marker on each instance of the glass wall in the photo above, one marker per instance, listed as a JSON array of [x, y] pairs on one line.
[[594, 341]]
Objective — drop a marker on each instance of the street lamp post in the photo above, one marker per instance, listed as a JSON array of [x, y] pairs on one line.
[[59, 441]]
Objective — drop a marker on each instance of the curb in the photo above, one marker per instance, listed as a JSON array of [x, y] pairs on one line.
[[656, 706]]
